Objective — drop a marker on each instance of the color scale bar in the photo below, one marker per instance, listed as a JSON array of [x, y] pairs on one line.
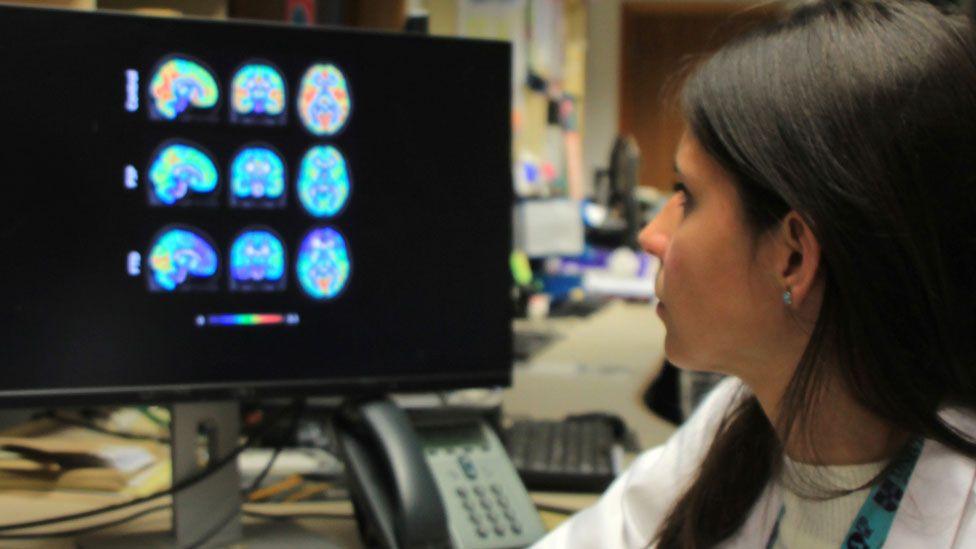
[[249, 319]]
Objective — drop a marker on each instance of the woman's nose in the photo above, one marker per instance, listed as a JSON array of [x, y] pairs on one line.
[[656, 235]]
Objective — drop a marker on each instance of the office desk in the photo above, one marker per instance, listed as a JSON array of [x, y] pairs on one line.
[[603, 362], [259, 533]]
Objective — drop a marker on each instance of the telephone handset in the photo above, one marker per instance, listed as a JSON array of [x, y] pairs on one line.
[[433, 484]]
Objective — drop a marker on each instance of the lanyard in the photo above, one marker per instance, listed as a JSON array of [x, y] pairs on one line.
[[870, 528]]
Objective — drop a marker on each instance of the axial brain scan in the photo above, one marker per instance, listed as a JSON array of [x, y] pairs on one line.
[[323, 263], [323, 99], [323, 181]]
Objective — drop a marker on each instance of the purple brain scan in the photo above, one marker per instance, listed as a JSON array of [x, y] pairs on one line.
[[323, 263], [257, 178], [182, 174], [257, 261], [182, 259], [258, 95], [182, 88]]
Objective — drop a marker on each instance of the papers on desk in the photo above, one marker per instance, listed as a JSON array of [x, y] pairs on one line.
[[59, 457]]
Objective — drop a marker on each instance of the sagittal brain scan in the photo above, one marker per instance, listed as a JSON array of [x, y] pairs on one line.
[[182, 88], [323, 181], [257, 261], [182, 173], [322, 265], [257, 178], [258, 95], [323, 99], [182, 258]]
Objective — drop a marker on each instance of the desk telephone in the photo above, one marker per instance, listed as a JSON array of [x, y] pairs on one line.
[[439, 484]]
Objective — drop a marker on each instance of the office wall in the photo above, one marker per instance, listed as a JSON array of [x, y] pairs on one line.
[[605, 24]]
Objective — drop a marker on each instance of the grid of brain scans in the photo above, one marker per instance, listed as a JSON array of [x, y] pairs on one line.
[[186, 174]]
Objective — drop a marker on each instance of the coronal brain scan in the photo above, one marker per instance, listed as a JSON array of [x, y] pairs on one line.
[[322, 266], [182, 173], [181, 86], [258, 94], [257, 261], [182, 258], [323, 99], [257, 177], [323, 181]]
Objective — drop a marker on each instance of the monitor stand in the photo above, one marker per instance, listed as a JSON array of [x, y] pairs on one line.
[[214, 503], [211, 507]]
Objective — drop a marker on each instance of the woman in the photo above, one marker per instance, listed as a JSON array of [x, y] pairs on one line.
[[821, 249]]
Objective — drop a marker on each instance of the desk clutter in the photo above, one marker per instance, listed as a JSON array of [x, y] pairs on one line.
[[62, 451], [57, 452]]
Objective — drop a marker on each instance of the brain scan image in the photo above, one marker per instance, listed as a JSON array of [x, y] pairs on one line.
[[257, 178], [182, 258], [322, 265], [257, 261], [323, 99], [183, 174], [182, 88], [323, 181], [258, 95]]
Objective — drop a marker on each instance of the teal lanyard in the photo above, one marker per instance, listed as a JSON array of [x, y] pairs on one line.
[[870, 528]]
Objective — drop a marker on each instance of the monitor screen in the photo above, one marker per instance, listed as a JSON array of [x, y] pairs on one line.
[[197, 207]]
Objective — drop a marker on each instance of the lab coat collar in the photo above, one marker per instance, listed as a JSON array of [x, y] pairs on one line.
[[931, 511], [932, 508]]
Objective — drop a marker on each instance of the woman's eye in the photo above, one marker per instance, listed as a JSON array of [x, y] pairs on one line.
[[687, 200]]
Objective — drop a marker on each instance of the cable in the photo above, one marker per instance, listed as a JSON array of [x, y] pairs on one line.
[[556, 509], [88, 529], [176, 487], [298, 516], [219, 525], [98, 429]]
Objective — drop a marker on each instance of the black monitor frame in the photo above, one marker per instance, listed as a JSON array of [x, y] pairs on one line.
[[467, 144]]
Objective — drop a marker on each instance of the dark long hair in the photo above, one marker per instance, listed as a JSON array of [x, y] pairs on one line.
[[860, 115]]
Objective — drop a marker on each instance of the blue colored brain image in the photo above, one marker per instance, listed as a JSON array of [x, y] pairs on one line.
[[323, 263], [257, 173], [257, 256], [178, 256], [179, 84], [323, 181], [258, 90], [180, 169]]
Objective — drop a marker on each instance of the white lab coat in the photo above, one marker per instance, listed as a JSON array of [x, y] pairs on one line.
[[937, 511]]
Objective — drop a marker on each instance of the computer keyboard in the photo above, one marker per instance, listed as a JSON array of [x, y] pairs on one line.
[[576, 454]]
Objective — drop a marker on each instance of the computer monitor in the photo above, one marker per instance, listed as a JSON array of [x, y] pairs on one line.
[[194, 209]]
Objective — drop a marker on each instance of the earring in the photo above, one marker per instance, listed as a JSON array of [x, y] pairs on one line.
[[788, 296]]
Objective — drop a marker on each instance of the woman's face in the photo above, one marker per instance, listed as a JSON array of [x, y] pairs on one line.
[[720, 300]]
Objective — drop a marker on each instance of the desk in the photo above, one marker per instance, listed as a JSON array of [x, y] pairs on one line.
[[603, 362], [297, 533]]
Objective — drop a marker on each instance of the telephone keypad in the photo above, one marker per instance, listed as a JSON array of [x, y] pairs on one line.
[[485, 495]]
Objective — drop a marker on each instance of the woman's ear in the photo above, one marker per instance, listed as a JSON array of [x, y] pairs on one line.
[[797, 260]]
